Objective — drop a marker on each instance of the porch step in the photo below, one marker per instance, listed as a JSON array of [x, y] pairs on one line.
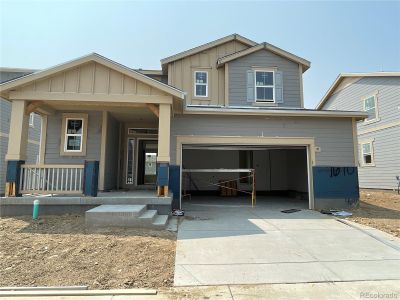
[[161, 221], [125, 216]]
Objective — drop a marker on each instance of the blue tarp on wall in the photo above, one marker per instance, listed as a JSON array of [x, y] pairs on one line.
[[336, 182]]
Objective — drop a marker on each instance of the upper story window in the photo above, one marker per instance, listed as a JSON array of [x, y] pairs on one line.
[[74, 132], [31, 119], [264, 85], [367, 154], [201, 84], [370, 107]]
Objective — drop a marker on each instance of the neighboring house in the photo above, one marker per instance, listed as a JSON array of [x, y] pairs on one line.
[[226, 107], [7, 74], [378, 94]]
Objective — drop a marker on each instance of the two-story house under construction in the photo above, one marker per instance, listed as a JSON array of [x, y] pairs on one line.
[[231, 109]]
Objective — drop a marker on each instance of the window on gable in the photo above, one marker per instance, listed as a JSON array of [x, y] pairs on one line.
[[31, 119], [73, 135], [265, 86], [200, 84], [370, 108], [367, 154]]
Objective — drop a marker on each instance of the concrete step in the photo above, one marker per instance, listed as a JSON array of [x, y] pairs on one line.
[[149, 215], [125, 216], [114, 215], [161, 221]]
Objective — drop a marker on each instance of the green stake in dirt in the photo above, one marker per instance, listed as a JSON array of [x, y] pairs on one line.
[[35, 213]]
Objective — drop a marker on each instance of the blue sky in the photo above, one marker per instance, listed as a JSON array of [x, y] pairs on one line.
[[335, 36]]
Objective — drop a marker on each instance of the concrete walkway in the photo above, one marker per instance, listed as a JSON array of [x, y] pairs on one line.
[[387, 289], [237, 244]]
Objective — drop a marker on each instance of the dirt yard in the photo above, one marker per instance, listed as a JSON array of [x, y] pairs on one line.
[[379, 209], [58, 251]]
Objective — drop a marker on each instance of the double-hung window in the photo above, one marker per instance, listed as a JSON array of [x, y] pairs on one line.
[[201, 84], [265, 86], [370, 108], [367, 154], [73, 135]]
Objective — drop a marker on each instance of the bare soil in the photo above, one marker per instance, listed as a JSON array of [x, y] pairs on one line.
[[60, 251], [379, 209]]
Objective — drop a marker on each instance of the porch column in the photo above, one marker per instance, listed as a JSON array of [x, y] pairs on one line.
[[17, 142], [163, 158]]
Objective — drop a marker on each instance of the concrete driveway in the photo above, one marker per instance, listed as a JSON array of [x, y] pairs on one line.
[[237, 244]]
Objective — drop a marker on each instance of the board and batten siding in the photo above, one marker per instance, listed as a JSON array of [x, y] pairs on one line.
[[334, 136], [181, 73], [387, 140], [53, 140], [264, 59]]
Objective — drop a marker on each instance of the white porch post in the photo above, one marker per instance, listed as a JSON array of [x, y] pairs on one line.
[[163, 157], [18, 135]]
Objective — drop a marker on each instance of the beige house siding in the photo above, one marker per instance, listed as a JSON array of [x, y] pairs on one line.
[[181, 73], [90, 78]]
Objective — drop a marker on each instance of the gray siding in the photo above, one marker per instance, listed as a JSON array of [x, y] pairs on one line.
[[264, 58], [386, 146], [53, 140], [334, 136], [3, 166], [387, 141], [350, 98], [33, 133], [111, 163]]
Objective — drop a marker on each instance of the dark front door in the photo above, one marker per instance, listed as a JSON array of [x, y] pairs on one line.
[[147, 161]]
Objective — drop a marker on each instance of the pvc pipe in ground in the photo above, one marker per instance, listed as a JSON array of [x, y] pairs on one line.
[[35, 213]]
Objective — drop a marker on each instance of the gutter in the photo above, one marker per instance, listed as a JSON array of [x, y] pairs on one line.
[[358, 115]]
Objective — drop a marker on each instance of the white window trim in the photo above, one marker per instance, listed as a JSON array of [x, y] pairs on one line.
[[32, 120], [256, 86], [375, 96], [195, 83], [64, 135], [371, 143]]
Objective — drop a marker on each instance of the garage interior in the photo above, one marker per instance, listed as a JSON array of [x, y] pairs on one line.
[[281, 174]]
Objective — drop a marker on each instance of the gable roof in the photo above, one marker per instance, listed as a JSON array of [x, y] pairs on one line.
[[93, 57], [305, 63], [206, 46], [342, 76]]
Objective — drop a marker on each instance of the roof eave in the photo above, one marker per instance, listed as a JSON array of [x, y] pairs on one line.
[[341, 76], [280, 112], [206, 46], [6, 86], [303, 62]]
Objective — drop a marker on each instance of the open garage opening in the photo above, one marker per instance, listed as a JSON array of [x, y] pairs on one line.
[[223, 175]]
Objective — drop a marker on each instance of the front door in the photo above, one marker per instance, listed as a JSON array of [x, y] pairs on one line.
[[147, 162]]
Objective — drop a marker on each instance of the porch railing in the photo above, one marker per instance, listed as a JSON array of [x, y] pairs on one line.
[[51, 179]]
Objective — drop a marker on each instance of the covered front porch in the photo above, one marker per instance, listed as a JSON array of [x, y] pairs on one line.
[[105, 128]]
